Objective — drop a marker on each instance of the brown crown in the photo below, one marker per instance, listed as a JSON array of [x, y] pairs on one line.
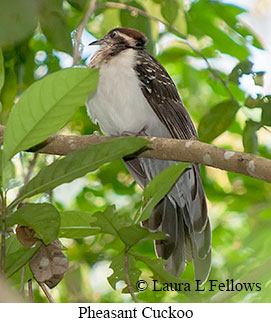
[[133, 33]]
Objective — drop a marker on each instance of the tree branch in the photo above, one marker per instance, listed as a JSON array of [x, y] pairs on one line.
[[46, 292], [3, 231], [187, 151], [123, 6], [127, 276], [22, 282], [77, 39], [30, 291]]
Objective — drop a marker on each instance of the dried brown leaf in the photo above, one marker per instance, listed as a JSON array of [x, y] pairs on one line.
[[49, 264], [26, 236]]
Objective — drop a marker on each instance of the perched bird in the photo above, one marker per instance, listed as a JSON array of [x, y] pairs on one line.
[[136, 96]]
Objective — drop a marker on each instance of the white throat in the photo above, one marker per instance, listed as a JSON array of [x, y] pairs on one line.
[[118, 104]]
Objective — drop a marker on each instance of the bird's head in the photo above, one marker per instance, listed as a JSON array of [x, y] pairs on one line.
[[124, 37], [115, 41]]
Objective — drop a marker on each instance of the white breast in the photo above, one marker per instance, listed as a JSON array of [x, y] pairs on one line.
[[118, 104]]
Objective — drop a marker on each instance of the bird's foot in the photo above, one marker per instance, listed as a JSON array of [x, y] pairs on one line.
[[141, 132], [96, 133]]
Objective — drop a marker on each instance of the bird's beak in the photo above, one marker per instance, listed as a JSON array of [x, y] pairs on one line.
[[97, 42]]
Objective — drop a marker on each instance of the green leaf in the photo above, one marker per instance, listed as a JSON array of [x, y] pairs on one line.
[[250, 140], [9, 89], [122, 227], [159, 187], [45, 107], [253, 103], [137, 21], [51, 17], [217, 120], [237, 92], [79, 163], [202, 20], [173, 54], [229, 13], [180, 22], [43, 218], [111, 19], [259, 78], [244, 67], [266, 110], [29, 66], [17, 255], [172, 11], [108, 221], [17, 276], [157, 268], [134, 234], [17, 20], [76, 224], [265, 104], [78, 4], [8, 175], [118, 266], [169, 10], [2, 70]]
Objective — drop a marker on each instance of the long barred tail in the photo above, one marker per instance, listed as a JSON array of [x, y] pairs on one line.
[[182, 215]]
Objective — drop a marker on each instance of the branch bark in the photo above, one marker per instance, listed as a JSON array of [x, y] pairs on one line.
[[189, 151]]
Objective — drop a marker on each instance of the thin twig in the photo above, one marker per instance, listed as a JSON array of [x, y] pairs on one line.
[[30, 291], [29, 172], [77, 39], [30, 168], [265, 128], [214, 72], [128, 281], [22, 282], [22, 163], [46, 292], [140, 12], [3, 232]]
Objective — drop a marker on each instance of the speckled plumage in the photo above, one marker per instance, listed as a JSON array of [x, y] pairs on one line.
[[135, 95]]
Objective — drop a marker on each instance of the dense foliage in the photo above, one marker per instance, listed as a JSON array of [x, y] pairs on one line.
[[97, 214]]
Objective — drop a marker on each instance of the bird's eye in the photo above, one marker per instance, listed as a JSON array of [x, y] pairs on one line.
[[113, 34]]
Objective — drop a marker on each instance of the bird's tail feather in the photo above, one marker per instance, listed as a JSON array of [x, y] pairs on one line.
[[187, 226], [182, 215]]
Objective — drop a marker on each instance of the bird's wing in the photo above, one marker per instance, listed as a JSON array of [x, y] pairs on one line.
[[162, 95], [183, 212]]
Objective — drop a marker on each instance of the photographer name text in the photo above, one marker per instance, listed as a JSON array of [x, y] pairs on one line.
[[212, 285]]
